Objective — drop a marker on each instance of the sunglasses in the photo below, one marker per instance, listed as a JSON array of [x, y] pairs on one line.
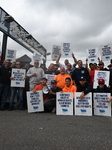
[[17, 64], [101, 83]]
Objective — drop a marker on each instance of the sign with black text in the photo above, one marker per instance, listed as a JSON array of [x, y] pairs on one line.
[[49, 78], [10, 55], [35, 101], [66, 50], [101, 107], [64, 103], [18, 77], [92, 55], [83, 107], [55, 52], [106, 52]]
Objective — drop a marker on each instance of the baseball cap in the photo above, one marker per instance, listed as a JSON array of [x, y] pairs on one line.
[[82, 78], [44, 78], [101, 81], [53, 81], [101, 63]]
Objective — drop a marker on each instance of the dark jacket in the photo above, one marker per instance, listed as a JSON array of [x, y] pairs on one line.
[[105, 89], [86, 88], [53, 96], [5, 75], [77, 73]]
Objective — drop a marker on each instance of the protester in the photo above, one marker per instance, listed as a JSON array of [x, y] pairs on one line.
[[50, 104], [56, 66], [96, 66], [42, 86], [68, 86], [84, 87], [5, 73], [66, 62], [92, 73], [102, 88], [16, 91], [60, 78], [43, 66], [78, 72], [51, 70], [35, 74], [13, 65], [101, 66], [69, 69]]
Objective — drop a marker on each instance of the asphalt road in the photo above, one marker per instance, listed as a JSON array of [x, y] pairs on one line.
[[20, 130]]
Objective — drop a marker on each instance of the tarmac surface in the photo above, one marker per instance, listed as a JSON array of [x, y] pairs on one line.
[[20, 130]]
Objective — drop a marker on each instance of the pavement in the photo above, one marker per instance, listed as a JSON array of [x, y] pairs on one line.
[[20, 130]]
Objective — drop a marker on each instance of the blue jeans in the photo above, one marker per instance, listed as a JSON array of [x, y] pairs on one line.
[[4, 91], [14, 91]]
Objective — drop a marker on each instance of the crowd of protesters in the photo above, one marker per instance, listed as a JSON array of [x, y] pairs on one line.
[[68, 78]]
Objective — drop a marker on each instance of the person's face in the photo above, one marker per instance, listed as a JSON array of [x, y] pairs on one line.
[[69, 66], [62, 70], [55, 68], [101, 66], [54, 85], [7, 63], [80, 64], [68, 82], [43, 82], [18, 65], [101, 85], [92, 66], [51, 67], [13, 65], [36, 64], [26, 66], [82, 82], [95, 65], [66, 61]]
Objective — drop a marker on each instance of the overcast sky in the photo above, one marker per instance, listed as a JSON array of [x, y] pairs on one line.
[[82, 23]]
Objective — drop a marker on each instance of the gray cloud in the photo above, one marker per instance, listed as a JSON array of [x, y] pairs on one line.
[[83, 23]]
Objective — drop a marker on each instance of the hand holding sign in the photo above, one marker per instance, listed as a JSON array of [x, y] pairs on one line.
[[82, 96], [11, 78]]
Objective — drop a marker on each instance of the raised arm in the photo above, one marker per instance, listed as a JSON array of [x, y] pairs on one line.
[[57, 60], [75, 60]]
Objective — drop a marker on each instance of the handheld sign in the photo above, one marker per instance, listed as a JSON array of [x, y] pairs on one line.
[[83, 107], [10, 55], [36, 57], [106, 52], [55, 52], [101, 75], [18, 75], [64, 103], [49, 78], [92, 55], [35, 101], [101, 107], [66, 50]]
